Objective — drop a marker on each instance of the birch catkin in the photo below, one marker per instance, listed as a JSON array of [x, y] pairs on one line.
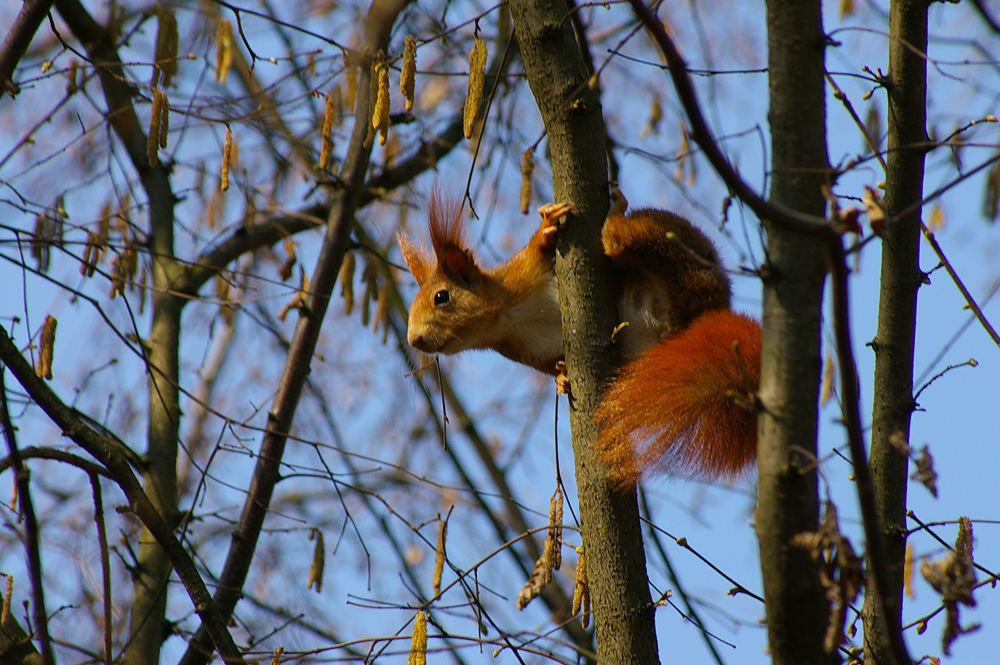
[[477, 78]]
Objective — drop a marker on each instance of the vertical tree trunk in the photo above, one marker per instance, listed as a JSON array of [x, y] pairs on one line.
[[901, 277], [571, 111], [163, 431], [797, 609]]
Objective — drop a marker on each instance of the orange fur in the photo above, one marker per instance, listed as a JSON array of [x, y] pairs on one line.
[[445, 223], [447, 230], [685, 400], [686, 404]]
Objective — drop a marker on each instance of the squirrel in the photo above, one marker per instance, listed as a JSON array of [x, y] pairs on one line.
[[684, 400]]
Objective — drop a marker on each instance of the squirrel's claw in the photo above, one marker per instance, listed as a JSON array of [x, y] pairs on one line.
[[552, 214]]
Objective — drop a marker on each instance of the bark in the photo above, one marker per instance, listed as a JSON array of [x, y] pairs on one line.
[[796, 606], [894, 340], [571, 111]]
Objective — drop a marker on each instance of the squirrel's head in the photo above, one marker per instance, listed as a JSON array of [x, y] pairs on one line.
[[447, 315]]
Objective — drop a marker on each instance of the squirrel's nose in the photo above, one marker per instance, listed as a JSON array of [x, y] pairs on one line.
[[416, 340]]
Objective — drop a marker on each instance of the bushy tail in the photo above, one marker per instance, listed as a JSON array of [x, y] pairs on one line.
[[687, 404]]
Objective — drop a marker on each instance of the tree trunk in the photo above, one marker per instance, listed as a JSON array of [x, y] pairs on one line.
[[571, 111], [901, 278], [796, 606]]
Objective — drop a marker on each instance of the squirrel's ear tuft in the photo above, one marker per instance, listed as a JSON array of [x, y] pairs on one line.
[[445, 223], [416, 257], [458, 263]]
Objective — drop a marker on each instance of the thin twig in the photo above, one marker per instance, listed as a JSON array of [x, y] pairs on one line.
[[102, 541], [22, 478], [107, 451], [378, 24], [928, 234], [702, 135], [878, 579]]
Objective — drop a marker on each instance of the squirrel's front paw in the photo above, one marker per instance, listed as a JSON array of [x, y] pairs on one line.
[[551, 214]]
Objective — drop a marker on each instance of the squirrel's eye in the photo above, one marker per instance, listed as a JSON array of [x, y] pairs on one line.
[[442, 297]]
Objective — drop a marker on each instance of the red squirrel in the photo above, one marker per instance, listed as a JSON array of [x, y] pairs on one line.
[[684, 400]]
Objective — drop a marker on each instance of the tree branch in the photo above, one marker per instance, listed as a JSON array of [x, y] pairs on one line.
[[17, 41], [772, 211], [378, 23], [21, 480], [886, 639], [882, 479], [106, 451]]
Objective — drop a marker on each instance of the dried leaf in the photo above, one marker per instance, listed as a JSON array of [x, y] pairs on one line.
[[581, 590], [165, 66], [840, 571], [380, 114], [935, 221], [326, 134], [227, 158], [318, 561], [286, 268], [954, 577], [298, 301], [655, 116], [408, 75], [991, 195], [908, 572], [223, 50], [925, 473], [45, 348], [829, 380], [527, 168], [439, 556], [873, 206], [347, 282]]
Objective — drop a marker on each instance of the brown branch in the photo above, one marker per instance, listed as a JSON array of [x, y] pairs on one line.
[[33, 452], [775, 213], [21, 480], [977, 311], [107, 451], [881, 586], [378, 23], [17, 41], [102, 542]]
